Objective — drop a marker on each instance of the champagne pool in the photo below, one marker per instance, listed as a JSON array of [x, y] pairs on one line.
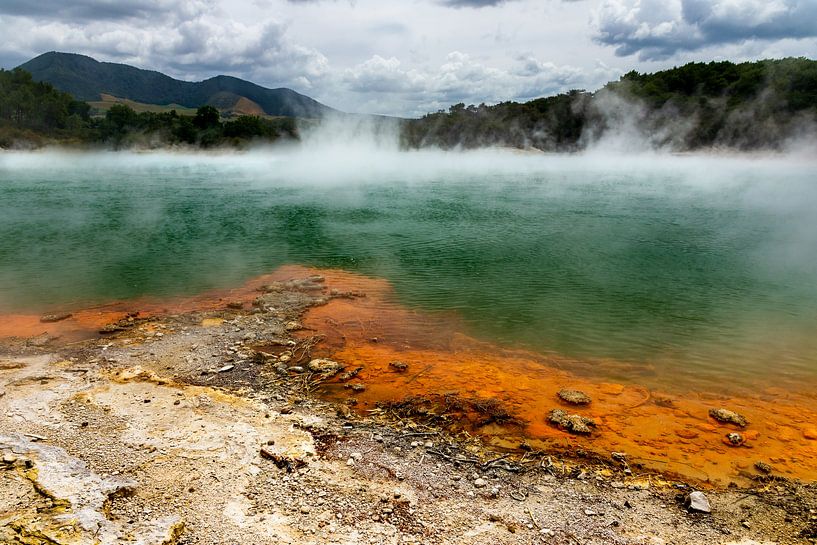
[[674, 272]]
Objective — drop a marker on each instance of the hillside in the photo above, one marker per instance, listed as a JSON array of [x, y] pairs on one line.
[[752, 105], [87, 79], [762, 105]]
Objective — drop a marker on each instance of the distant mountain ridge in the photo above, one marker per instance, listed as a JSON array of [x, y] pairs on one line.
[[88, 79]]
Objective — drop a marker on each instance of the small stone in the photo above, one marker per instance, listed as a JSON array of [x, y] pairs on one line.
[[296, 369], [726, 416], [226, 368], [573, 423], [810, 433], [697, 501], [734, 439], [574, 397], [284, 358], [324, 367], [398, 366], [50, 318], [480, 483], [763, 467], [305, 509], [590, 512]]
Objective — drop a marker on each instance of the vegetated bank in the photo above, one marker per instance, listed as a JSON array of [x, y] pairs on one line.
[[35, 114], [762, 105], [746, 106]]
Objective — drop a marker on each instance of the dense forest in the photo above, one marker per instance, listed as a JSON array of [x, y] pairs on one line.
[[753, 105], [33, 114]]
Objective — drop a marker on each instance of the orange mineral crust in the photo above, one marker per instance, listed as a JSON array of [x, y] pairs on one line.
[[662, 423], [86, 323], [665, 430]]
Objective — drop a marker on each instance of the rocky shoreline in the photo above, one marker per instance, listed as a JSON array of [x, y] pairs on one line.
[[202, 427]]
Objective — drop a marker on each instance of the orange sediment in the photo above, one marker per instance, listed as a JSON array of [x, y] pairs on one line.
[[667, 431], [662, 429], [86, 323]]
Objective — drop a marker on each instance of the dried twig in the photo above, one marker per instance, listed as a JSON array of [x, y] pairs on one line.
[[532, 518]]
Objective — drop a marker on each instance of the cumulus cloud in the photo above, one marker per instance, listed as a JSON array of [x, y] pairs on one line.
[[460, 78], [196, 40], [407, 58], [471, 3], [91, 10], [658, 29]]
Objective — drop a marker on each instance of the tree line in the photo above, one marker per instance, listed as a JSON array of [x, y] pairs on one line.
[[749, 105], [35, 113]]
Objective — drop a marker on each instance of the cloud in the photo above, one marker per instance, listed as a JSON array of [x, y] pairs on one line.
[[92, 10], [658, 29], [193, 42], [471, 3], [384, 83]]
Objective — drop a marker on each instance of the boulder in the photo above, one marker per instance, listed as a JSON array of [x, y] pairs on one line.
[[697, 501], [725, 416], [324, 367], [572, 423], [574, 397]]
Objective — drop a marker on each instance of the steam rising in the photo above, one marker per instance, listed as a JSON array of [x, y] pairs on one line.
[[637, 254]]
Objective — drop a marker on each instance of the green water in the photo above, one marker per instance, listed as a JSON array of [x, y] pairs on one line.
[[696, 266]]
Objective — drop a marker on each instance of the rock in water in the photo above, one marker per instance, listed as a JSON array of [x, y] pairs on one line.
[[398, 366], [50, 318], [726, 416], [325, 367], [697, 501], [573, 423], [763, 467], [574, 397]]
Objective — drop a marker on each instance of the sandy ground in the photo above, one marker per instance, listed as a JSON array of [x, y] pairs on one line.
[[178, 429]]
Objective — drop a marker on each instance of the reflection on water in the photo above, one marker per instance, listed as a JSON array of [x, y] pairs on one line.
[[683, 268]]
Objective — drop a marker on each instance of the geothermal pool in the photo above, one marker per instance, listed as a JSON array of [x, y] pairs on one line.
[[686, 268], [663, 286]]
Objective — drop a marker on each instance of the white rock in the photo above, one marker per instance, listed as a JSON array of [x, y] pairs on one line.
[[697, 501]]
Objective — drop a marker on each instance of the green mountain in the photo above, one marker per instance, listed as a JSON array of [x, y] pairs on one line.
[[88, 79]]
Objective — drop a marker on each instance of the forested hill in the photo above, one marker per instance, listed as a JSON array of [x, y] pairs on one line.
[[35, 114], [758, 105], [88, 79], [752, 105]]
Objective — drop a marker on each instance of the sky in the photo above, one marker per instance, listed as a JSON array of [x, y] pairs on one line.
[[410, 57]]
